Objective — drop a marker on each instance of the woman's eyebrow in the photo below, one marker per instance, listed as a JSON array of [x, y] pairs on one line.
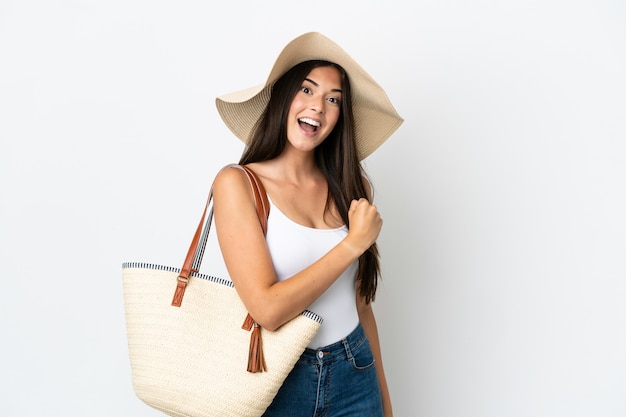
[[336, 90]]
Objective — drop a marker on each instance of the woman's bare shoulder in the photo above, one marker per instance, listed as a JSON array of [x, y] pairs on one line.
[[231, 180], [265, 169], [228, 174]]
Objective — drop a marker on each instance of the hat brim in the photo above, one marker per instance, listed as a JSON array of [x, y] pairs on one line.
[[375, 117]]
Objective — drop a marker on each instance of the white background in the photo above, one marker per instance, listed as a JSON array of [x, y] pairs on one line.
[[503, 193]]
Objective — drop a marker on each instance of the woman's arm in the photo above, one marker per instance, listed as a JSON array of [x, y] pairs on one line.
[[248, 260], [368, 321]]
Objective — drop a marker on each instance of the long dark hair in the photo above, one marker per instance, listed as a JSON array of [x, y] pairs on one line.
[[336, 156]]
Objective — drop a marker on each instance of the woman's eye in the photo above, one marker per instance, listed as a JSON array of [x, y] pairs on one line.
[[305, 90], [334, 100]]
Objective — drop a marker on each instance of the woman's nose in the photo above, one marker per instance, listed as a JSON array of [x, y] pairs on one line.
[[317, 104]]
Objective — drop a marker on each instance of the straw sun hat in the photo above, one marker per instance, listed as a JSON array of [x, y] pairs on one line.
[[374, 116]]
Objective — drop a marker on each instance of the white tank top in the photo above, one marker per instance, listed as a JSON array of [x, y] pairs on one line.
[[294, 247]]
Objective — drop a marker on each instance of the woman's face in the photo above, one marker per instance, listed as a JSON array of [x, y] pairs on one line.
[[315, 109]]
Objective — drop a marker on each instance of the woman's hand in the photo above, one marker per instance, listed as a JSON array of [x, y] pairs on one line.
[[365, 225]]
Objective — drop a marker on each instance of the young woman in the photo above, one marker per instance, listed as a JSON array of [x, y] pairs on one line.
[[306, 130]]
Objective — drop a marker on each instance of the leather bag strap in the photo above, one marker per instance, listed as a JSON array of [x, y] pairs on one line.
[[196, 249]]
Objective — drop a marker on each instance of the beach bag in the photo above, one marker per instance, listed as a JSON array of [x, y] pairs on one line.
[[194, 350]]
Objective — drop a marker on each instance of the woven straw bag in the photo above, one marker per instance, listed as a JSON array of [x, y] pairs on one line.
[[188, 355]]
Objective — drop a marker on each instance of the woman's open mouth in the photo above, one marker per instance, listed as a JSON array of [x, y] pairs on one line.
[[309, 125]]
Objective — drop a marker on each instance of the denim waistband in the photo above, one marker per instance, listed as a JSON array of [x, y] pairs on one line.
[[341, 348]]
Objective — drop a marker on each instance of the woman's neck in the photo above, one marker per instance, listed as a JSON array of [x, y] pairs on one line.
[[295, 165]]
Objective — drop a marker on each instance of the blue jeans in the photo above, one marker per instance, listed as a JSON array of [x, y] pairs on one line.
[[336, 380]]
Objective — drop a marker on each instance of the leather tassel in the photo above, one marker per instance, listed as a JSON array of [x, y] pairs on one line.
[[247, 323], [256, 360]]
